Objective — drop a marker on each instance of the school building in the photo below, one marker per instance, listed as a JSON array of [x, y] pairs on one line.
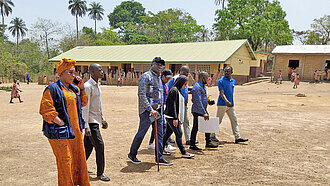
[[305, 59], [211, 57]]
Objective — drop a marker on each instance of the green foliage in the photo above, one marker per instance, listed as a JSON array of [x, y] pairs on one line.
[[126, 12], [95, 12], [5, 9], [260, 21], [320, 33], [6, 88], [18, 28]]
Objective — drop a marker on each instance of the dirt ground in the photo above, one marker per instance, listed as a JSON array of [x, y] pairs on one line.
[[288, 141]]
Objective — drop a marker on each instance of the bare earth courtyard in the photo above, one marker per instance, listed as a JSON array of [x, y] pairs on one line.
[[288, 141]]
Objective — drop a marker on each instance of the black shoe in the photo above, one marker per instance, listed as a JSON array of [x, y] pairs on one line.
[[11, 102], [210, 145], [214, 139], [188, 142], [21, 101], [90, 172], [133, 159], [164, 162], [195, 148], [196, 142], [240, 140], [171, 141], [103, 177]]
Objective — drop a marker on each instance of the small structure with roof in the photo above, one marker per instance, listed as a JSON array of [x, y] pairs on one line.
[[211, 57], [304, 59]]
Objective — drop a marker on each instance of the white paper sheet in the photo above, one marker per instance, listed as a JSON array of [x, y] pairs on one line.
[[209, 126]]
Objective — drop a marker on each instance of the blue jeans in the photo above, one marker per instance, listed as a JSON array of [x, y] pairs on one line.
[[152, 137], [143, 129]]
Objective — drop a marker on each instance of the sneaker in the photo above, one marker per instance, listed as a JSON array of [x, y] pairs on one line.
[[188, 142], [214, 139], [170, 148], [188, 155], [90, 172], [171, 141], [151, 146], [240, 140], [133, 159], [166, 153], [210, 145], [195, 148], [164, 162], [103, 177]]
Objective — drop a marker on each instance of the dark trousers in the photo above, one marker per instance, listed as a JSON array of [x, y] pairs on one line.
[[178, 134], [195, 129], [152, 137], [143, 129], [95, 141]]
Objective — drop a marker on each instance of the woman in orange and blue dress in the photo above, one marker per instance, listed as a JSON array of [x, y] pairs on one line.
[[60, 108]]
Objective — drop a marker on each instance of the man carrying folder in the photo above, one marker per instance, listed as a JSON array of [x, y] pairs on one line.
[[199, 105]]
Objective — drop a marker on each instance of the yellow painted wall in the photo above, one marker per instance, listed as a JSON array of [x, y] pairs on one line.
[[256, 63], [240, 62]]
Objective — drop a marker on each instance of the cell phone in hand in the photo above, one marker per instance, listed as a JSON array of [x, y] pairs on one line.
[[75, 81]]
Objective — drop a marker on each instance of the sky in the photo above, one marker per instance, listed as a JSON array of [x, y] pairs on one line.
[[300, 13]]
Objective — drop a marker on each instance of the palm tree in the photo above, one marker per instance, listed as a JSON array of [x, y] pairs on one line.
[[5, 10], [78, 8], [18, 29], [218, 2], [96, 12]]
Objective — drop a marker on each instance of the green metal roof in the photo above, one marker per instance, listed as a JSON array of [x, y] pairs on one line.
[[201, 52]]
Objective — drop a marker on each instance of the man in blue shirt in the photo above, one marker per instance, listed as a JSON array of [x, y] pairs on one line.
[[225, 104], [184, 70], [198, 109]]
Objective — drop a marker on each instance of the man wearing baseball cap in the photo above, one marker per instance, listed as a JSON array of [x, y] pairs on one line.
[[151, 106]]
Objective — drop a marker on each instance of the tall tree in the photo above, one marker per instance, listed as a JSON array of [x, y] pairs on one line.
[[47, 30], [320, 33], [78, 8], [262, 22], [126, 12], [5, 9], [18, 29], [175, 25], [218, 2], [96, 12]]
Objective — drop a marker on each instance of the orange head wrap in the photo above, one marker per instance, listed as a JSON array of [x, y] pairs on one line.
[[65, 64]]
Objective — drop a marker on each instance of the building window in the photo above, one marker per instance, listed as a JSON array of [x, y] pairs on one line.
[[294, 64], [191, 67], [137, 67], [327, 64], [146, 67], [206, 68]]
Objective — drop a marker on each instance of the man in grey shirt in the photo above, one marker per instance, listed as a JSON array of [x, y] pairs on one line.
[[150, 93]]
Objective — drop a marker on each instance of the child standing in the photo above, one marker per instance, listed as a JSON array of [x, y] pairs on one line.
[[316, 79], [296, 80], [279, 77]]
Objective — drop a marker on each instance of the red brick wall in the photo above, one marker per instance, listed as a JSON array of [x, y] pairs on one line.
[[241, 79]]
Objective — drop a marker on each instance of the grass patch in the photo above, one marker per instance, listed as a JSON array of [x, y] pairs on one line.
[[6, 88]]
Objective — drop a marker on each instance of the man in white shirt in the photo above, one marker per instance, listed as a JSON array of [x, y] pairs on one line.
[[92, 114]]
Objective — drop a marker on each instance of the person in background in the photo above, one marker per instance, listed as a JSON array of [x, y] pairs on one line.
[[279, 77], [151, 107], [184, 70], [290, 73], [174, 114], [226, 102], [166, 76], [28, 78], [93, 116], [296, 81], [209, 81], [63, 124], [15, 92], [199, 109], [316, 79]]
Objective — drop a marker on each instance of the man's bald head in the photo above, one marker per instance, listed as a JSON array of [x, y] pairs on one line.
[[96, 71], [184, 70]]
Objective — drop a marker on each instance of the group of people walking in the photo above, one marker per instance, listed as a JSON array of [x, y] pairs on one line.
[[167, 112], [69, 107]]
